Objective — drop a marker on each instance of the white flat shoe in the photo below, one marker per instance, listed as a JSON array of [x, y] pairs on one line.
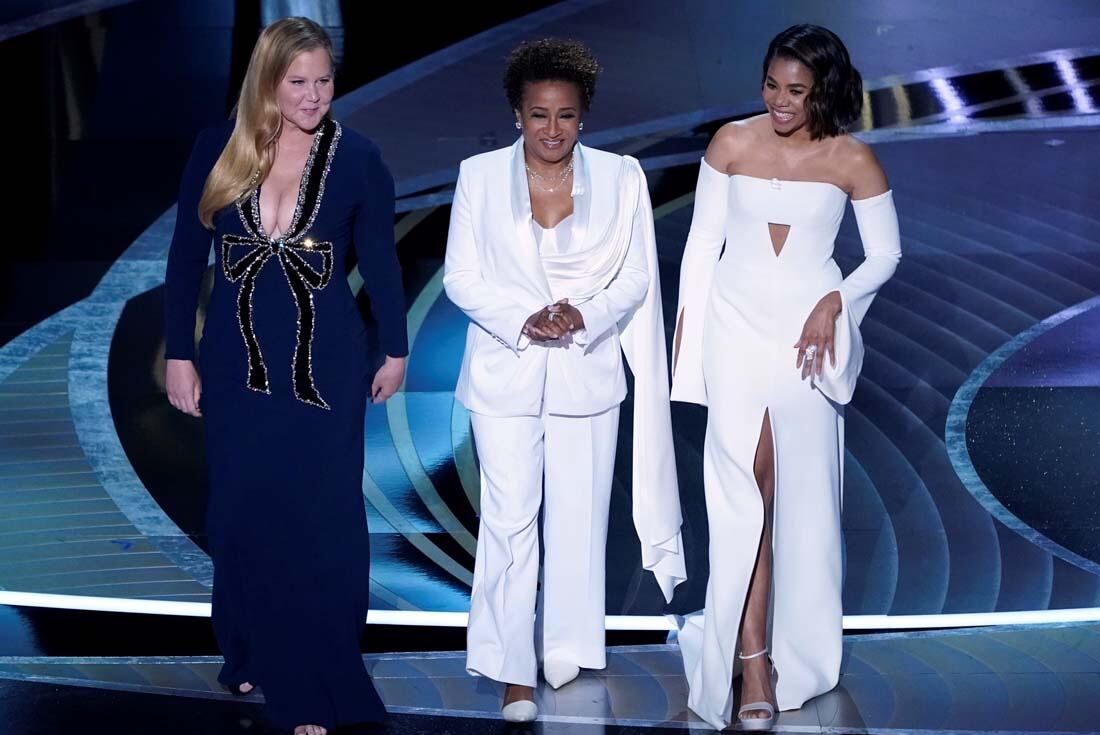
[[559, 672], [522, 711]]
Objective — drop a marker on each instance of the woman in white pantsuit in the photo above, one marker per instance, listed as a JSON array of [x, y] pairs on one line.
[[551, 253], [768, 337]]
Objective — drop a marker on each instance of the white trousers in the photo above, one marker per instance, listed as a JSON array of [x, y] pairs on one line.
[[576, 456]]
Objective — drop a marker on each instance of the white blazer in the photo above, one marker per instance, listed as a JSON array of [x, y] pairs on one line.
[[495, 274]]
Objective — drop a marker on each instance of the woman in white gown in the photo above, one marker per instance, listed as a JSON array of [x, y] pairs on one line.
[[768, 337]]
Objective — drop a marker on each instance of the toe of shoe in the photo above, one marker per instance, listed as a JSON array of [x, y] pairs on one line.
[[522, 711], [559, 673]]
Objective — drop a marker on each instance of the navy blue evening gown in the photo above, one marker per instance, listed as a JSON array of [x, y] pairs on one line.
[[285, 379]]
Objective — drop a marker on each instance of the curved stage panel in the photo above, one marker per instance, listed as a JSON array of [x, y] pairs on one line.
[[1032, 433]]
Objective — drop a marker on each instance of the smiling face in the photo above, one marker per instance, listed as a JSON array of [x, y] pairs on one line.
[[550, 119], [786, 87], [304, 94]]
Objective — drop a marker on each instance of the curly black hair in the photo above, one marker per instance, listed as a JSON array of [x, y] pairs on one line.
[[551, 59], [836, 99]]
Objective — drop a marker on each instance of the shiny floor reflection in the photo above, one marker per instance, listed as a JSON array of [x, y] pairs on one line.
[[1010, 679]]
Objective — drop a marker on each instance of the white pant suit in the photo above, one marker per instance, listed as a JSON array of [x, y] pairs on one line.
[[738, 317], [545, 415]]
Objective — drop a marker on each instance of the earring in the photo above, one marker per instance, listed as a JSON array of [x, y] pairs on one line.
[[518, 126], [580, 127]]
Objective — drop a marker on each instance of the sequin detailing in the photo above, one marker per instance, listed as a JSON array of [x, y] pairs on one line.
[[290, 251]]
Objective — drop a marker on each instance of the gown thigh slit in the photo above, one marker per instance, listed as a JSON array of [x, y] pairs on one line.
[[757, 612], [764, 461]]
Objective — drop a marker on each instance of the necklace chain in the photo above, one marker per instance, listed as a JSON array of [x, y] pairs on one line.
[[539, 180]]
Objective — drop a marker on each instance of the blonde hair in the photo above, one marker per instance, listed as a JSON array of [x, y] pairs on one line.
[[246, 160]]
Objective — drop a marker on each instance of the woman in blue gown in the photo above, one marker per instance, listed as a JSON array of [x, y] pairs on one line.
[[284, 193]]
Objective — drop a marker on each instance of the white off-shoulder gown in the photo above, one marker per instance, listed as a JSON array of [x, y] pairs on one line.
[[740, 312]]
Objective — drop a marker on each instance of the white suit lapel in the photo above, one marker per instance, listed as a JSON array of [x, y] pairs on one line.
[[526, 249], [582, 198]]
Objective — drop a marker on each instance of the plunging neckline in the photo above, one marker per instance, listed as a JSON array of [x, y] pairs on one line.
[[303, 183], [311, 190], [562, 221]]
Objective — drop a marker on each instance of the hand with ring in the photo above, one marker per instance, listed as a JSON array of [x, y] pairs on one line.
[[570, 314], [542, 327], [817, 336]]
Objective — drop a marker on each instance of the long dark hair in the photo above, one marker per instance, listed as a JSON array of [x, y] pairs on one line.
[[836, 99]]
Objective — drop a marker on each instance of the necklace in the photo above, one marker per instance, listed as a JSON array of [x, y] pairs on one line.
[[539, 180]]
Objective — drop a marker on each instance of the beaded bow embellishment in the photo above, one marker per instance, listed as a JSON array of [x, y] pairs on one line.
[[294, 252]]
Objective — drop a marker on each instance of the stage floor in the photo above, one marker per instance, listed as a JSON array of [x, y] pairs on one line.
[[1034, 679]]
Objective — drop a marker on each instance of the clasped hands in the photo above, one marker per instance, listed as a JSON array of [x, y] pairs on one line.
[[553, 321]]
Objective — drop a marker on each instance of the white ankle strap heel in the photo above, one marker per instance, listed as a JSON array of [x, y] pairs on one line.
[[755, 724]]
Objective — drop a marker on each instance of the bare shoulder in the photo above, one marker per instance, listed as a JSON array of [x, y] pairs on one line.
[[860, 167], [853, 154], [730, 144]]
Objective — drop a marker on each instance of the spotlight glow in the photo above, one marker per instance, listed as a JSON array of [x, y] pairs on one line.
[[1082, 102], [949, 97]]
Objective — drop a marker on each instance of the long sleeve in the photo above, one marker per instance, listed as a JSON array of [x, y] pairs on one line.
[[464, 284], [701, 254], [377, 255], [190, 250], [629, 286], [878, 229]]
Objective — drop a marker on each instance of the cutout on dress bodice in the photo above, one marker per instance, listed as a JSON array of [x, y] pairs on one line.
[[778, 235]]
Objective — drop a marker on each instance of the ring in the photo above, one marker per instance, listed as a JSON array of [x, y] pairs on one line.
[[811, 352], [552, 315]]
